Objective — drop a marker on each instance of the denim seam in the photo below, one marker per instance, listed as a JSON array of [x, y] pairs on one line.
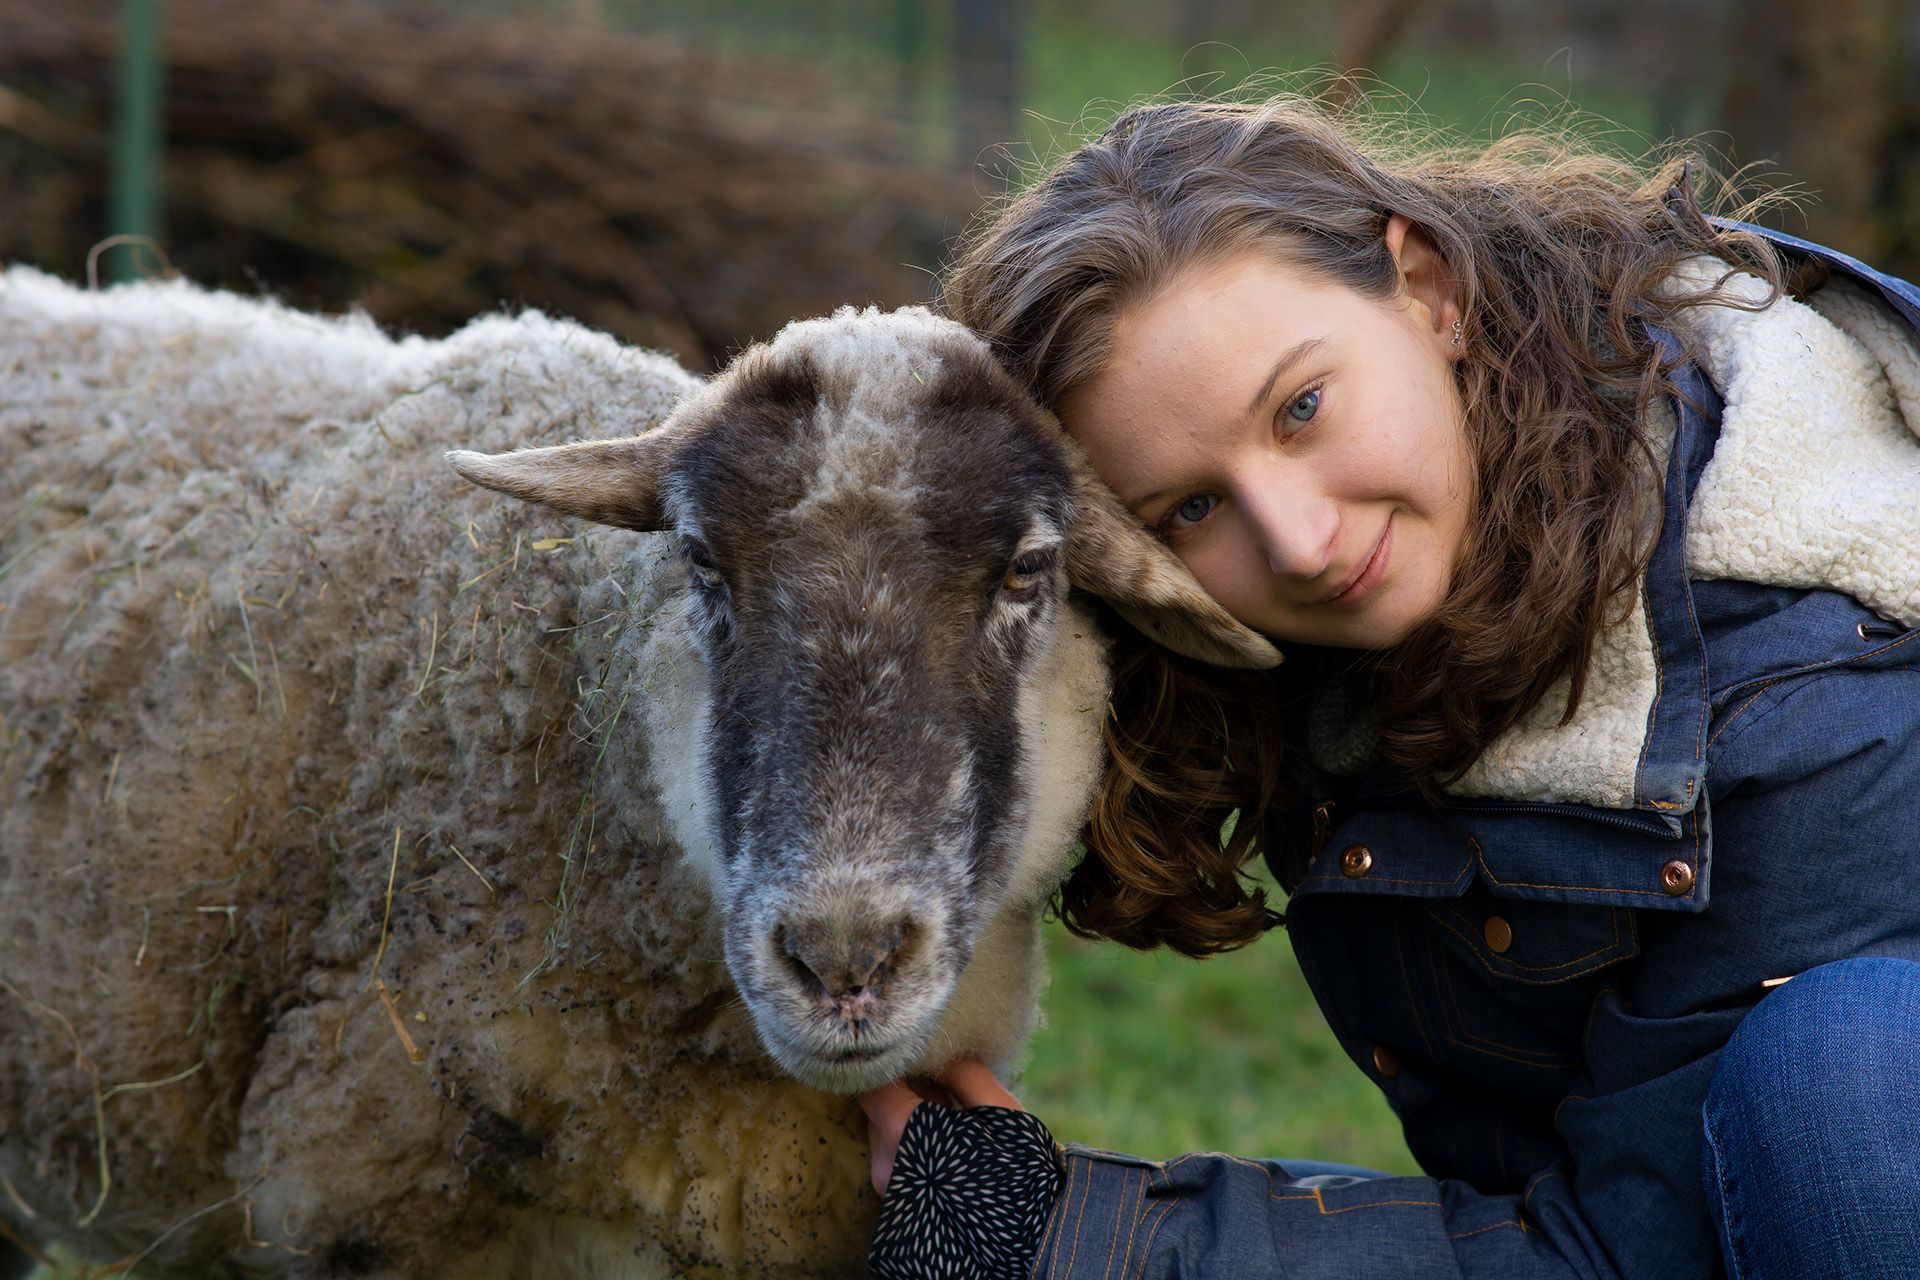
[[1733, 716], [1510, 1222], [1496, 881], [1567, 888], [1051, 1235], [1527, 1196], [1400, 931], [1321, 1204], [1836, 663], [1146, 1250], [1732, 1259], [1119, 1214], [1659, 681], [1133, 1228], [1486, 1045], [1079, 1219]]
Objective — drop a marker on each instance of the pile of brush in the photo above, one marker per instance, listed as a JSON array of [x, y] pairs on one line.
[[428, 168]]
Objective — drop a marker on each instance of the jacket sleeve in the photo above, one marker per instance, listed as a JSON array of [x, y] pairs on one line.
[[1124, 1218]]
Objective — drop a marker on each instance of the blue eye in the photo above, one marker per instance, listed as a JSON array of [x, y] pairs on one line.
[[1192, 511], [1303, 409]]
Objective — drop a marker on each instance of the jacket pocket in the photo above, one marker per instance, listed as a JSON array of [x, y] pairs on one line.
[[1536, 943]]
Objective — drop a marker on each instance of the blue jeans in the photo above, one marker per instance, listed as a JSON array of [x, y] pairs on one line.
[[1812, 1152]]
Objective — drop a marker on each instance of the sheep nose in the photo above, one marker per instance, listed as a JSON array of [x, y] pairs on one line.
[[848, 967]]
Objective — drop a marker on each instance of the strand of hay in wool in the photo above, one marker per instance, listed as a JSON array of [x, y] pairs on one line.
[[81, 1063], [138, 1085], [393, 869], [433, 647], [246, 1233], [469, 866], [583, 816], [13, 1194], [129, 1263], [399, 1025]]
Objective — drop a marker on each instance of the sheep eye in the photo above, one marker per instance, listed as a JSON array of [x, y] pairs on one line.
[[1026, 573]]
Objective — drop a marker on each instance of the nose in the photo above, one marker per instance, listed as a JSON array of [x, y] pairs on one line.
[[846, 965], [1293, 522]]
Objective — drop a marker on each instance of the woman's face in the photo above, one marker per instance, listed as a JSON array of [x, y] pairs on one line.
[[1300, 446]]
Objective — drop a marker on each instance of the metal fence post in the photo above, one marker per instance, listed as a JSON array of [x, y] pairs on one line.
[[134, 209]]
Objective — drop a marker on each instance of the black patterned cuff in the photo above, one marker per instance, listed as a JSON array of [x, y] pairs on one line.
[[969, 1196]]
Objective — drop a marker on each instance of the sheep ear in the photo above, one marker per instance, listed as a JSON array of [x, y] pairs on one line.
[[1110, 554], [613, 482]]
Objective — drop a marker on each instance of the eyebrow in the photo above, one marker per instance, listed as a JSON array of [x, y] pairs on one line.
[[1292, 356]]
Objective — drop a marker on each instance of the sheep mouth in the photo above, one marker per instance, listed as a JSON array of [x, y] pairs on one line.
[[857, 1054]]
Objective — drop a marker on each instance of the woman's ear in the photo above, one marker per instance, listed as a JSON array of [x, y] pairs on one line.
[[1427, 281]]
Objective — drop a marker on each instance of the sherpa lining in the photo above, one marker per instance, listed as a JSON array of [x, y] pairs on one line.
[[1814, 482]]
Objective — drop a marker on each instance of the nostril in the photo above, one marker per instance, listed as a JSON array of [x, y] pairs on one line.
[[789, 950], [841, 963]]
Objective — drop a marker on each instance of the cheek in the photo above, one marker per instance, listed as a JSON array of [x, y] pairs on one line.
[[1228, 566]]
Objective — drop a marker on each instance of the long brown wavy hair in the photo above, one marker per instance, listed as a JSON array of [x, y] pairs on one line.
[[1561, 255]]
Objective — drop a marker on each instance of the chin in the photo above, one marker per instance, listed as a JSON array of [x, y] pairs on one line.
[[844, 1071]]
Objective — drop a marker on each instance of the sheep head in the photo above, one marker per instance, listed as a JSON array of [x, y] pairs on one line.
[[893, 730]]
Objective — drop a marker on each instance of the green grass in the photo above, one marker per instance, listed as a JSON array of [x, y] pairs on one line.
[[1157, 1055]]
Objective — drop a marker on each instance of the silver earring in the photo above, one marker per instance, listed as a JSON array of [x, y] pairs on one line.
[[1458, 341]]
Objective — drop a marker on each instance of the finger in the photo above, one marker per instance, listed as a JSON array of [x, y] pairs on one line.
[[887, 1108], [888, 1105], [974, 1085]]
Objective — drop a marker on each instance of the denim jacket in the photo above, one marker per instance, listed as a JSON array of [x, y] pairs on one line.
[[1542, 986]]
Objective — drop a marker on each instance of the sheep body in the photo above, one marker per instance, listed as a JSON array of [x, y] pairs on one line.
[[305, 758]]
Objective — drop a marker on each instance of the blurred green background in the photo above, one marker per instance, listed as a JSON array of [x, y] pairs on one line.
[[690, 174]]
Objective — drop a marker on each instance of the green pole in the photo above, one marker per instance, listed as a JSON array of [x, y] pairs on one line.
[[135, 205]]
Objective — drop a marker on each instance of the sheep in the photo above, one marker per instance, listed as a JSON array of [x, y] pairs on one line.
[[399, 882]]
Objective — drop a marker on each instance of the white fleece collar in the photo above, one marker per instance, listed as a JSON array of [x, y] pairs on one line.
[[1814, 482]]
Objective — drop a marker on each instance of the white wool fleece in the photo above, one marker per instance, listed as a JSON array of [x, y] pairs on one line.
[[1814, 482]]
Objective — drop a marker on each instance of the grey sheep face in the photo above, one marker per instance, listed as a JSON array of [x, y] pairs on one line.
[[895, 714]]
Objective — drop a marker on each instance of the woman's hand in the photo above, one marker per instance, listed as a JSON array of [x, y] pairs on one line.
[[966, 1082]]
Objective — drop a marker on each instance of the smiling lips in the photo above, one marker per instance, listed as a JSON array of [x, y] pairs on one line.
[[1369, 574]]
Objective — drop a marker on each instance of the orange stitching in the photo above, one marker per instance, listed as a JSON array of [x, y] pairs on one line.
[[1058, 1216], [1079, 1218], [1147, 1250], [1119, 1209], [1735, 713], [1573, 888], [1528, 1195], [1372, 1204], [1133, 1228], [1511, 1222], [1461, 1038], [1835, 663]]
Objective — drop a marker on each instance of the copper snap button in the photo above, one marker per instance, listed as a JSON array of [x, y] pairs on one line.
[[1499, 935], [1385, 1061], [1356, 861], [1860, 629], [1676, 878]]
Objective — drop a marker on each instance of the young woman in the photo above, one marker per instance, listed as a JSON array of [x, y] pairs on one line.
[[1590, 530]]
